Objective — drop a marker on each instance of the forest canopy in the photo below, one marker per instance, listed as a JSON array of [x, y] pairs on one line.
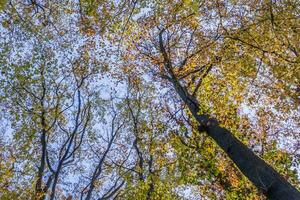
[[150, 99]]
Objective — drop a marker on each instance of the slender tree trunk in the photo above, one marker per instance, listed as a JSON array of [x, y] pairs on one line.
[[52, 195], [39, 193], [98, 169], [262, 175]]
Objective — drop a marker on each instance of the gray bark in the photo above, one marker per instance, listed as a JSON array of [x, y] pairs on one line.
[[261, 174]]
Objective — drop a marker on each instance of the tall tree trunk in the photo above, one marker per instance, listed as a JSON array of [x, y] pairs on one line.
[[262, 175], [39, 193]]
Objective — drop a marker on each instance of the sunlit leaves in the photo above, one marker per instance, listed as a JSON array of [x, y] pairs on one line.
[[232, 56], [2, 4]]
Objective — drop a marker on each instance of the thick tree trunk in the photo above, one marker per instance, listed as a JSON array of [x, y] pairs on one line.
[[262, 175]]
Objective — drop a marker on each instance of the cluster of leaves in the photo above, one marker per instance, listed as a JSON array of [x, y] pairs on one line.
[[87, 89]]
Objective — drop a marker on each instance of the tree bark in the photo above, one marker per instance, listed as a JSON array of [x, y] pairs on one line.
[[262, 175], [39, 192]]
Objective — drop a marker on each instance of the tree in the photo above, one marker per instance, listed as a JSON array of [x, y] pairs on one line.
[[133, 99], [108, 153], [180, 50], [151, 174]]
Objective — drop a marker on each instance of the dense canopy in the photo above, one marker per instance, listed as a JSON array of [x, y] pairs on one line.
[[150, 99]]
